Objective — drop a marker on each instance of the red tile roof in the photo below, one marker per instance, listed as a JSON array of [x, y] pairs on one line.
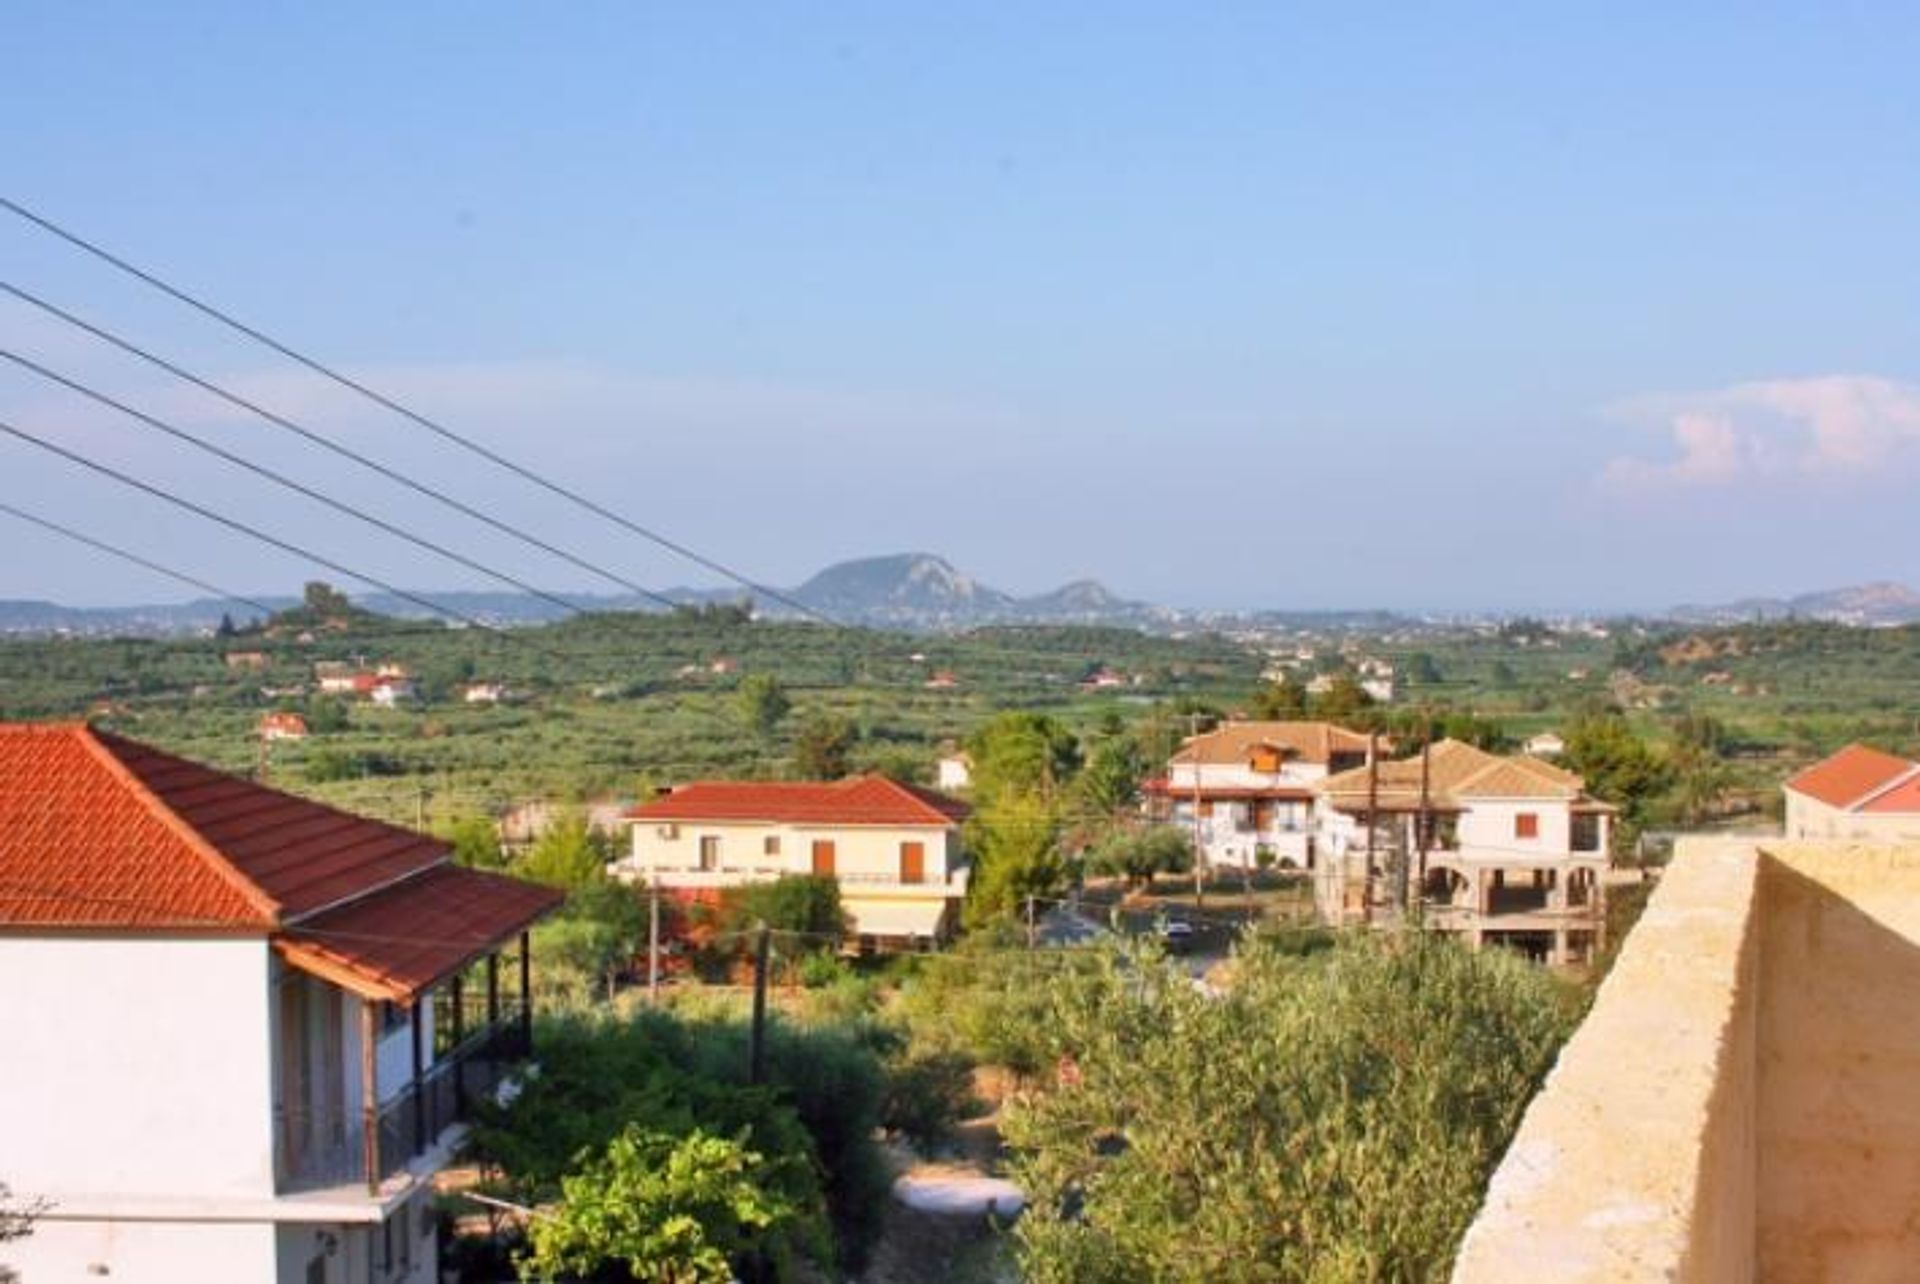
[[84, 842], [300, 855], [1903, 798], [1849, 776], [97, 831], [862, 800], [399, 941]]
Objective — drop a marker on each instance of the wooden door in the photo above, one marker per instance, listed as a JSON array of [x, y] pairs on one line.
[[913, 862], [823, 858]]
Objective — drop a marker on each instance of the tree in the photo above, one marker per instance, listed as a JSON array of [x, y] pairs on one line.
[[805, 906], [325, 601], [1422, 671], [1020, 753], [763, 703], [1110, 783], [1015, 839], [476, 843], [1618, 765], [568, 854], [1280, 702], [226, 629], [677, 1209], [823, 746], [1344, 700], [1364, 1072], [1137, 855]]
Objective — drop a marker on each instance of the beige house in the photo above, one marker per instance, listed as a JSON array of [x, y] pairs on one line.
[[894, 849], [1504, 849], [1248, 786], [1858, 793]]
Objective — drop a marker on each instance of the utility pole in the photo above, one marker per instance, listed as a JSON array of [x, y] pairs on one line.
[[420, 808], [1030, 931], [757, 1046], [1373, 814], [1423, 829], [653, 938], [1199, 851]]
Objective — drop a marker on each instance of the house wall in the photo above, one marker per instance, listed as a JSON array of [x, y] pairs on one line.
[[149, 1252], [1487, 828], [1238, 775], [1810, 818], [859, 852], [136, 1066]]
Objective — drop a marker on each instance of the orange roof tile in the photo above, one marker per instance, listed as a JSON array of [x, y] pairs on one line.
[[1849, 776], [402, 939], [1902, 798], [1234, 742], [861, 800]]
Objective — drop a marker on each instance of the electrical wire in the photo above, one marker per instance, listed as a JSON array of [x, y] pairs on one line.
[[413, 416], [281, 479], [181, 576], [327, 443], [235, 524]]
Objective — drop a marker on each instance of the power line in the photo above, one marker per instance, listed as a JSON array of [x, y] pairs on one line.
[[413, 416], [136, 559], [327, 443], [281, 479], [235, 524]]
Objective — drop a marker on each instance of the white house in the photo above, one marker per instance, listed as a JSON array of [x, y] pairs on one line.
[[954, 770], [242, 1029], [1503, 849], [392, 692], [1547, 744], [1857, 793], [1248, 786], [894, 849]]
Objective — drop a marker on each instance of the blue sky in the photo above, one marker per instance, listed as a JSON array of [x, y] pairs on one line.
[[1226, 305]]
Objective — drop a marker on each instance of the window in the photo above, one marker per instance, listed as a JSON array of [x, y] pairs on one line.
[[710, 851], [770, 845], [1526, 825]]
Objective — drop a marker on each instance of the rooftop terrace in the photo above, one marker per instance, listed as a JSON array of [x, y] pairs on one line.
[[1741, 1101]]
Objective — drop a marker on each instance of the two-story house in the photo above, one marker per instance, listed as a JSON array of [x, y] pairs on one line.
[[1248, 788], [240, 1029], [1859, 792], [894, 849], [1509, 850]]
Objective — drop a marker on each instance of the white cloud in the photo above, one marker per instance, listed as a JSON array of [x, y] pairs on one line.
[[1833, 425]]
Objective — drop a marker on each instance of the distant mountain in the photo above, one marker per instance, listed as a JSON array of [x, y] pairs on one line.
[[1880, 604], [915, 590]]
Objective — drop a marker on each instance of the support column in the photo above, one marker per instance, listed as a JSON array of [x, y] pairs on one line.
[[493, 989], [369, 1098], [526, 993], [457, 995], [419, 1084]]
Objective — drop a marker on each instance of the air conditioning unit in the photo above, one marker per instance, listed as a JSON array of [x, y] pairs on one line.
[[668, 832]]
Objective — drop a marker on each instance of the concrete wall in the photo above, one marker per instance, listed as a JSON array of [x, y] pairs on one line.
[[146, 1252], [1739, 1102], [136, 1066], [1839, 1193]]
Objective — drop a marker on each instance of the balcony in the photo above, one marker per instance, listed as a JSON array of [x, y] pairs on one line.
[[480, 1049], [1738, 1103]]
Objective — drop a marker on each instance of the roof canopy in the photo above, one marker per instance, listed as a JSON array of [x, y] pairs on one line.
[[1852, 776], [1235, 742]]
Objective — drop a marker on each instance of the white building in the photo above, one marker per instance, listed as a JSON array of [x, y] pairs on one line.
[[1504, 849], [241, 1028], [1249, 786], [1547, 744], [1857, 793], [393, 692], [894, 849], [954, 771]]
